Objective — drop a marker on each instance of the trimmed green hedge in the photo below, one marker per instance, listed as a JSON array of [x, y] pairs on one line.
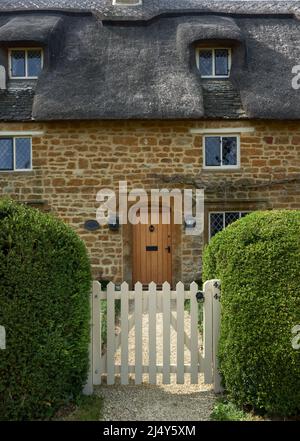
[[258, 261], [44, 305]]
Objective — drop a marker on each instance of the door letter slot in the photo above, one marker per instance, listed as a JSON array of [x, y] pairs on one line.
[[152, 248]]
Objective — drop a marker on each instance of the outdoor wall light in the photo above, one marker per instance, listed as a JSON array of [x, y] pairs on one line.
[[190, 222], [114, 223]]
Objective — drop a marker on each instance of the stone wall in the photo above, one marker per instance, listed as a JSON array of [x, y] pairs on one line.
[[72, 161]]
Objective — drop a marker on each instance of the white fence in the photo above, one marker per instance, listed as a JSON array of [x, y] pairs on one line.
[[137, 303]]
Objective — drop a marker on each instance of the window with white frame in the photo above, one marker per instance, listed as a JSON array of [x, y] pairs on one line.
[[220, 220], [15, 154], [221, 151], [214, 62], [25, 63]]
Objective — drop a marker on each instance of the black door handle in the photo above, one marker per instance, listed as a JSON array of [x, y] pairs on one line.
[[169, 249]]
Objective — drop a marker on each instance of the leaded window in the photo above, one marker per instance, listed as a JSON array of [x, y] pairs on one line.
[[15, 154], [25, 63], [214, 62], [220, 220], [221, 151]]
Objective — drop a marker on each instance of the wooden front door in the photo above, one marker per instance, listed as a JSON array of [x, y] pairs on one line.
[[152, 253]]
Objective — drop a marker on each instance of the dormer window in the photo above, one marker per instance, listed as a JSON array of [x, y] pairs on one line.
[[25, 63], [214, 62]]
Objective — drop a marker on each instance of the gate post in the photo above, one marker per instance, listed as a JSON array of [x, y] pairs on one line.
[[89, 386], [216, 334], [212, 296]]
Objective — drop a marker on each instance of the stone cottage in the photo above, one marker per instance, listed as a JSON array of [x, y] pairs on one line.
[[158, 93]]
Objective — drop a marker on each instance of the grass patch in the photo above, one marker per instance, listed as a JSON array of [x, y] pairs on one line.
[[227, 411], [87, 408]]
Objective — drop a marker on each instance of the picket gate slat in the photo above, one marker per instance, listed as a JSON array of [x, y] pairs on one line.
[[124, 334], [166, 332], [110, 334], [194, 350], [152, 333], [180, 332], [138, 316]]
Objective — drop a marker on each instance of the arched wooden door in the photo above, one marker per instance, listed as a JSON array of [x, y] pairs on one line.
[[152, 253]]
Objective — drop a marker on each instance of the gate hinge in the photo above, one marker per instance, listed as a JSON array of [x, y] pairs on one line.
[[217, 296], [217, 285]]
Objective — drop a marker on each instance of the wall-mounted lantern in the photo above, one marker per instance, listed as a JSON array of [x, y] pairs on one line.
[[114, 223], [190, 222]]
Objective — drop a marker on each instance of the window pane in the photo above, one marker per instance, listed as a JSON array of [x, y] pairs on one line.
[[18, 63], [231, 217], [213, 151], [205, 62], [216, 223], [221, 62], [6, 154], [23, 153], [229, 150], [34, 63]]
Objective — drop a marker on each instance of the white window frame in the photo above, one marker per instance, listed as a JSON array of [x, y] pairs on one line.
[[213, 49], [26, 49], [14, 169], [224, 213], [221, 166]]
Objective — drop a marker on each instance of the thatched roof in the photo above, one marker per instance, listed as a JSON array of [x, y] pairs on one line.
[[107, 62], [152, 8]]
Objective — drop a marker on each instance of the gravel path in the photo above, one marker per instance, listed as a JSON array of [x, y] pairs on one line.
[[161, 402]]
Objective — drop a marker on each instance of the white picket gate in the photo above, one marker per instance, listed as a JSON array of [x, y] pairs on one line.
[[137, 303]]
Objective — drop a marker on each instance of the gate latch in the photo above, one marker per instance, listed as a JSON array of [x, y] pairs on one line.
[[200, 296]]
